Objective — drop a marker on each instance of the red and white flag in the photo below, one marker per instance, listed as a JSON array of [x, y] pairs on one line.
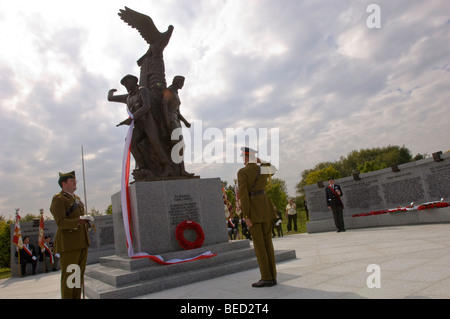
[[227, 205], [238, 208], [41, 241], [17, 239]]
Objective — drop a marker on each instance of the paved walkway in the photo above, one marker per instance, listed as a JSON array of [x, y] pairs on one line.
[[414, 262]]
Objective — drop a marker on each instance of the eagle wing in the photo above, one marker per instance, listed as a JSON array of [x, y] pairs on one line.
[[141, 22]]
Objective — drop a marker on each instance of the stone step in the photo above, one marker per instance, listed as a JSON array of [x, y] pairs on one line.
[[119, 277], [97, 289], [126, 263]]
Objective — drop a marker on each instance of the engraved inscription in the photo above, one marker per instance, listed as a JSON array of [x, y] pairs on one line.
[[403, 191], [183, 209], [438, 181], [362, 195], [316, 201]]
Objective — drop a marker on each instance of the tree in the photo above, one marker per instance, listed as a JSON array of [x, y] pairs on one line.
[[364, 160], [276, 190], [5, 243], [94, 212], [322, 175], [108, 211], [371, 166]]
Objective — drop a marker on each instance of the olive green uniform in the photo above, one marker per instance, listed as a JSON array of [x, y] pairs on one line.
[[72, 240], [258, 208]]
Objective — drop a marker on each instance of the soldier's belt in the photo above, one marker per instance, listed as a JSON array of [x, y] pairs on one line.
[[253, 194]]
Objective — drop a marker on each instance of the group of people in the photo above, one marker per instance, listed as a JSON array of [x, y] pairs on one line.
[[259, 214], [234, 222], [29, 255]]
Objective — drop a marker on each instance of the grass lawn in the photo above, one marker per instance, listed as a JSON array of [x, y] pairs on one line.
[[5, 273]]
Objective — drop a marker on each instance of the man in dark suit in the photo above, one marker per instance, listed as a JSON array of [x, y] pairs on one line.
[[27, 256], [259, 213], [333, 195]]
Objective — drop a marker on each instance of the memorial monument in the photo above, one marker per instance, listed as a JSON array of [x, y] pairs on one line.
[[169, 225], [406, 185]]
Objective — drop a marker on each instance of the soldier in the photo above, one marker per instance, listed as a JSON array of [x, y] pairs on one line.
[[259, 214], [72, 240]]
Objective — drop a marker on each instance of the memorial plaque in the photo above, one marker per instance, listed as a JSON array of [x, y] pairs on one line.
[[402, 189], [183, 209], [437, 181], [363, 195]]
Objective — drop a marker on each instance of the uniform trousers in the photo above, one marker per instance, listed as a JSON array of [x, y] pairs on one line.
[[262, 243], [67, 258], [338, 216]]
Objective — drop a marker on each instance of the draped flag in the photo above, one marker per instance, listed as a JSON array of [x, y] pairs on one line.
[[17, 239], [126, 209], [41, 241]]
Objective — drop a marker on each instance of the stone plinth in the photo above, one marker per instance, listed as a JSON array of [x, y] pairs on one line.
[[158, 207]]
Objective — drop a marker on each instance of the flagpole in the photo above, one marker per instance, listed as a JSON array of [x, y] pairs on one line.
[[41, 210], [84, 181], [18, 249]]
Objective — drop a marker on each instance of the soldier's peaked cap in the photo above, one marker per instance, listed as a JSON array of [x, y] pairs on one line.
[[248, 150]]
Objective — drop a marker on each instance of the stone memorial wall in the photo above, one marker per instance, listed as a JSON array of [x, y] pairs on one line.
[[416, 182]]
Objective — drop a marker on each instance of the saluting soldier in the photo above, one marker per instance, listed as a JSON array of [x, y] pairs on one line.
[[259, 213], [72, 240]]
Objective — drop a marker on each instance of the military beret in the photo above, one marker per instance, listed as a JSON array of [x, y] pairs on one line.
[[128, 76], [65, 176], [329, 178]]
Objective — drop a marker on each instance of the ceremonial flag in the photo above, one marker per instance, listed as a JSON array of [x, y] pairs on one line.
[[238, 209], [41, 241], [17, 239], [227, 204]]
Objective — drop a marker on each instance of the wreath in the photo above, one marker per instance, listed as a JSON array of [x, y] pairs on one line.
[[184, 243]]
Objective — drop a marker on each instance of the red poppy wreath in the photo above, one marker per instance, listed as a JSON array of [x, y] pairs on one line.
[[184, 243]]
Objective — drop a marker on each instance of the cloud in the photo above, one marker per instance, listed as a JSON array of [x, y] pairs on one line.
[[313, 70]]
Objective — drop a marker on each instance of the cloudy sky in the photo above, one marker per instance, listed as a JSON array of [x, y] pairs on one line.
[[313, 70]]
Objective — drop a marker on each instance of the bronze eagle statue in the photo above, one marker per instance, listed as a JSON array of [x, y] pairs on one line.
[[147, 29]]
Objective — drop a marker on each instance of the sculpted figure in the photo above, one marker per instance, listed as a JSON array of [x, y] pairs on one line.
[[173, 118], [154, 107], [153, 160]]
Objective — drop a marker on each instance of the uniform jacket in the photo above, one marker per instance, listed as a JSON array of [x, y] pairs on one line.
[[258, 208], [332, 199], [69, 235]]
